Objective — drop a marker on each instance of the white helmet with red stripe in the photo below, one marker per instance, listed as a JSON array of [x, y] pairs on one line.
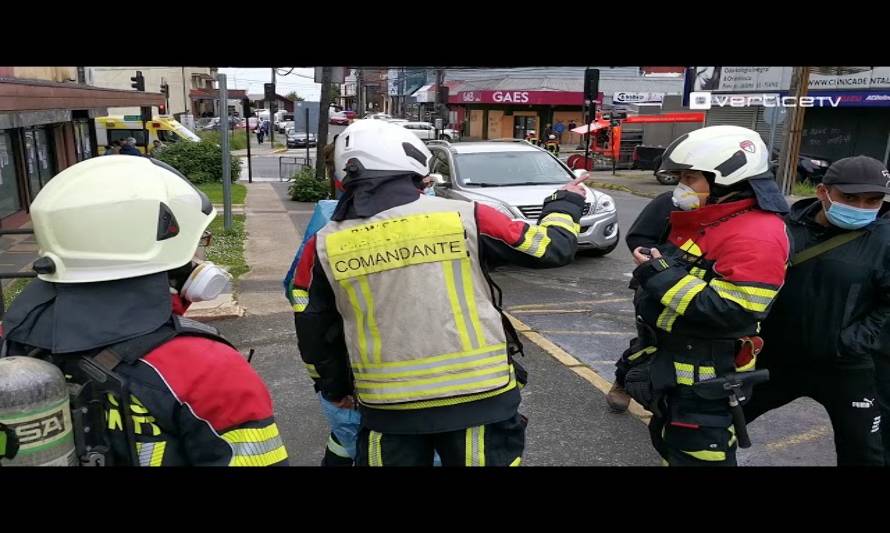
[[731, 154]]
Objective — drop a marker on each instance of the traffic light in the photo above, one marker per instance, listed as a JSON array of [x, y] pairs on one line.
[[165, 89], [162, 109], [245, 105], [138, 81], [591, 84]]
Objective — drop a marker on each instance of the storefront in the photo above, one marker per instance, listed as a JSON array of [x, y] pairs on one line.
[[46, 127], [848, 111], [513, 114]]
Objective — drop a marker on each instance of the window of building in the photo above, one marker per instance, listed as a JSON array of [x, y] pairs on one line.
[[10, 201], [45, 156], [40, 160], [82, 146]]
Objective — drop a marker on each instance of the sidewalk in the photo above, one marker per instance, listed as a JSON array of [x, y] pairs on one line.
[[569, 423], [262, 149]]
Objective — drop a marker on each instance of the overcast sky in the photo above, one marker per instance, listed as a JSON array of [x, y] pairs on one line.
[[252, 79]]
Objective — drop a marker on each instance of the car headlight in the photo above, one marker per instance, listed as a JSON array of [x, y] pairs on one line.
[[500, 207], [819, 163], [604, 202]]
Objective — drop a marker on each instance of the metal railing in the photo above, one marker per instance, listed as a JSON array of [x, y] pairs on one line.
[[290, 165]]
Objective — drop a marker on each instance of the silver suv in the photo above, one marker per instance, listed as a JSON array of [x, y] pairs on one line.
[[514, 177]]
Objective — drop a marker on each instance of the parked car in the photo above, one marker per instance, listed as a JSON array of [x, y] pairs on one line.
[[427, 131], [341, 118], [514, 177], [212, 124], [809, 168], [378, 116], [299, 139], [283, 126]]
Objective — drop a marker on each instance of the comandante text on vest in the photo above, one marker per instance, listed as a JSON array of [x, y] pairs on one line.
[[402, 256]]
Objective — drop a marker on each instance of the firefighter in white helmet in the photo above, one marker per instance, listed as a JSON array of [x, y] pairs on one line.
[[703, 294], [117, 236], [391, 255]]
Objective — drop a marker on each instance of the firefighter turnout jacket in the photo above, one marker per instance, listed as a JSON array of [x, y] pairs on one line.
[[721, 270], [398, 309]]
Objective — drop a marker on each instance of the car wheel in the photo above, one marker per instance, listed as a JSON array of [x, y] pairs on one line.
[[667, 179], [599, 252]]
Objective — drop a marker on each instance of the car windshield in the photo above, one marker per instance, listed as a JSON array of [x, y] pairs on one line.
[[505, 169]]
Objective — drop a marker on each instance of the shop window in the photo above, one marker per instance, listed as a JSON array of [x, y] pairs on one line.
[[9, 188], [46, 161], [82, 146]]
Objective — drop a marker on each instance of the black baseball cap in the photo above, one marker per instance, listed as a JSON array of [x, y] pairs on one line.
[[858, 174]]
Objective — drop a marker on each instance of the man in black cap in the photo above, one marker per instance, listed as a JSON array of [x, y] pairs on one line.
[[828, 334]]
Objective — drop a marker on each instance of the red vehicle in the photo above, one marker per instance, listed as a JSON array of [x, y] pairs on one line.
[[605, 135], [342, 118]]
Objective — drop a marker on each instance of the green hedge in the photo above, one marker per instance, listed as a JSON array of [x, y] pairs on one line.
[[305, 187], [237, 139], [200, 162]]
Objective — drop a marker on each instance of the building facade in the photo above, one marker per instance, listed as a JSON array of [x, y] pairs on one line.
[[46, 125], [849, 113]]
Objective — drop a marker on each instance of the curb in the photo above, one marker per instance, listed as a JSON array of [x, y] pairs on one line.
[[219, 309], [576, 366]]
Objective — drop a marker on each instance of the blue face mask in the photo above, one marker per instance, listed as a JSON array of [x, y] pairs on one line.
[[848, 217]]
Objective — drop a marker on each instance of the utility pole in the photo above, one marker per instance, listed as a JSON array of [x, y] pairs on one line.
[[185, 101], [787, 169], [440, 81], [226, 154], [271, 115], [324, 104], [359, 101]]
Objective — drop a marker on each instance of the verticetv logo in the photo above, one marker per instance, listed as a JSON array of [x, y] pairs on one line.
[[706, 100]]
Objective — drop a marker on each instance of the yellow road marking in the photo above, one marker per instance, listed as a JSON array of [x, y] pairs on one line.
[[550, 311], [551, 304], [572, 332], [793, 440], [575, 365]]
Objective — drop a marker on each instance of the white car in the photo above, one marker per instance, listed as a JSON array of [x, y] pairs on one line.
[[427, 131], [515, 177], [284, 125]]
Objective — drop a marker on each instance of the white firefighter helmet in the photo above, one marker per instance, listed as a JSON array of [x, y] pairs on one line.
[[117, 217], [732, 154], [379, 146]]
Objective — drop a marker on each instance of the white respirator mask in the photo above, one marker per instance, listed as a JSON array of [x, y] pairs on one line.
[[205, 282], [686, 198]]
